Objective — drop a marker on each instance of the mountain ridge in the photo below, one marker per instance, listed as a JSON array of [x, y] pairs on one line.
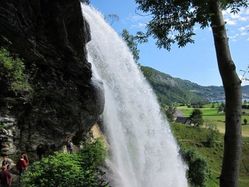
[[171, 90]]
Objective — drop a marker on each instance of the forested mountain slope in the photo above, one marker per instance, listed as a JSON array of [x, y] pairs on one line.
[[175, 90]]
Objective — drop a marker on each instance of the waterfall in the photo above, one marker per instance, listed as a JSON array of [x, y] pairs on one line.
[[143, 152]]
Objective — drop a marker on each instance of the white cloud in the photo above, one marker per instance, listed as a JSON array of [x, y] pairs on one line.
[[230, 22], [139, 25], [134, 18], [247, 11], [137, 21], [226, 12], [196, 28], [244, 28], [234, 19], [243, 34], [234, 16], [237, 24], [244, 80], [243, 18], [234, 36]]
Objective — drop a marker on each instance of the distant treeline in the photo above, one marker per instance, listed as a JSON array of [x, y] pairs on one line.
[[245, 106]]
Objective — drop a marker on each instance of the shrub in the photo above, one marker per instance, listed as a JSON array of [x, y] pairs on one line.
[[64, 169], [12, 71], [198, 169], [212, 137], [58, 170], [92, 155], [245, 121], [221, 108], [170, 111], [196, 117]]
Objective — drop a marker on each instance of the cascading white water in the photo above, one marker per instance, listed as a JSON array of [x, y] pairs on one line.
[[143, 150]]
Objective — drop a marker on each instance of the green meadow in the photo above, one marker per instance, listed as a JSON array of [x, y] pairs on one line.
[[212, 117], [195, 139]]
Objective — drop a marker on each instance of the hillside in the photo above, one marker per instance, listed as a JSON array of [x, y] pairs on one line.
[[195, 139], [170, 90]]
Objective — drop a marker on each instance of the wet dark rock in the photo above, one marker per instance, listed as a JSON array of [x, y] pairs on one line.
[[7, 135], [50, 37]]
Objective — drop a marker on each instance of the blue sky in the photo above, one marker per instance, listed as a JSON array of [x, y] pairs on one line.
[[195, 62]]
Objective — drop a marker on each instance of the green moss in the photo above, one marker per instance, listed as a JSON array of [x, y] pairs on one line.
[[1, 125]]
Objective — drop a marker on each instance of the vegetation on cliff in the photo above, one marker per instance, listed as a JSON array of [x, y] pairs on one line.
[[12, 73], [45, 83]]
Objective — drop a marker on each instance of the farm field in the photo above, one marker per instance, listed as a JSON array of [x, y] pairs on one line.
[[212, 117]]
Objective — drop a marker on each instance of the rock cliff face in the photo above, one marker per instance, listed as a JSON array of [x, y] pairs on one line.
[[63, 102]]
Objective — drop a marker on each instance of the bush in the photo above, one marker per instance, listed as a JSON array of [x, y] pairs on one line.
[[58, 170], [212, 137], [64, 169], [12, 71], [245, 121], [170, 111], [196, 117], [92, 156], [198, 169]]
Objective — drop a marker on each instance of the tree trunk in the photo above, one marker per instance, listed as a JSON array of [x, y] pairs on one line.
[[231, 82]]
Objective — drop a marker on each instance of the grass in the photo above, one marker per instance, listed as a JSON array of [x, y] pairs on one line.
[[245, 130], [206, 111], [194, 138], [212, 117]]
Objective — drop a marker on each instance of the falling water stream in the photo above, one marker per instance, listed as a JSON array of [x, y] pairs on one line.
[[143, 152]]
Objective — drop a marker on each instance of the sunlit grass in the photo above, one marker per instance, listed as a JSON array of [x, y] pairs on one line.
[[193, 138], [212, 117]]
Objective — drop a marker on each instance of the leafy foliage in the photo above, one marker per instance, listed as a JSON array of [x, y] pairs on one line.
[[93, 152], [245, 121], [111, 18], [196, 117], [63, 169], [221, 108], [12, 72], [198, 170], [132, 42], [170, 113], [212, 137], [173, 21]]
